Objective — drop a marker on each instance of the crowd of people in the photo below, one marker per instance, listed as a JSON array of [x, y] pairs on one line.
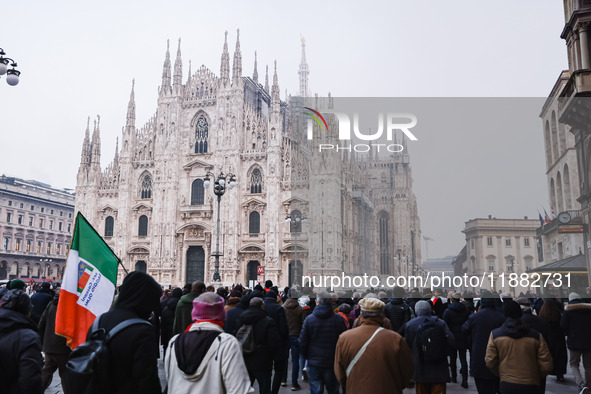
[[223, 340]]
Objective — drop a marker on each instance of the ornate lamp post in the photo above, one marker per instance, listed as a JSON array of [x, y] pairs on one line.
[[13, 73], [219, 189], [297, 218]]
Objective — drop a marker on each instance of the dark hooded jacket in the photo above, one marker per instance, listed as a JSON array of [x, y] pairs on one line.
[[182, 316], [134, 366], [50, 341], [232, 315], [397, 312], [575, 323], [20, 347], [455, 316], [266, 339], [319, 336], [39, 302], [167, 318], [477, 330]]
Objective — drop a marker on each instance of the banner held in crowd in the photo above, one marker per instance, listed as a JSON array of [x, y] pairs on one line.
[[89, 282]]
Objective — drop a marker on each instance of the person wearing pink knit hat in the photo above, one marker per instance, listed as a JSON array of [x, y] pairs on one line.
[[204, 358]]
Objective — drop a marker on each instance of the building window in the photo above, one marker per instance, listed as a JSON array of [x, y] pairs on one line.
[[59, 248], [42, 209], [9, 203], [49, 248], [17, 246], [526, 241], [146, 190], [510, 264], [21, 205], [61, 213], [254, 223], [256, 181], [30, 220], [38, 247], [472, 243], [109, 224], [69, 227], [8, 216], [528, 263], [51, 224], [20, 219], [40, 223], [5, 243], [32, 207], [507, 241], [201, 134], [491, 264], [70, 215], [52, 211], [295, 224], [143, 226], [384, 245], [28, 247], [197, 192], [489, 241], [59, 226]]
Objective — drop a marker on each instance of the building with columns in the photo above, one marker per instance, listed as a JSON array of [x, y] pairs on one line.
[[36, 223], [563, 186], [500, 247], [152, 206]]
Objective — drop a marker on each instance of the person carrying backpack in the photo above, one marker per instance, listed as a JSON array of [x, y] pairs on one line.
[[430, 340], [397, 310], [204, 358], [133, 351], [260, 343]]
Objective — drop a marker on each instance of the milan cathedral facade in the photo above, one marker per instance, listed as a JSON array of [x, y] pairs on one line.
[[152, 206]]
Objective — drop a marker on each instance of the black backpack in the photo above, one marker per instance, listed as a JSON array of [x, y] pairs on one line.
[[87, 370], [245, 336], [431, 341]]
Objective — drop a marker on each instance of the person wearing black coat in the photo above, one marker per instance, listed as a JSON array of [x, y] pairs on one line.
[[551, 312], [277, 313], [53, 345], [477, 329], [134, 367], [233, 315], [259, 364], [20, 346], [397, 311], [39, 302], [455, 316], [575, 323], [167, 319], [318, 341]]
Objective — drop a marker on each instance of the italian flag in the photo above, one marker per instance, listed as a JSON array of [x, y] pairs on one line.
[[88, 284]]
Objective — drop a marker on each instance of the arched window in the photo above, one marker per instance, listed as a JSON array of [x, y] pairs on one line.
[[140, 266], [197, 192], [256, 181], [146, 190], [201, 134], [143, 226], [295, 224], [254, 223], [384, 248], [109, 222]]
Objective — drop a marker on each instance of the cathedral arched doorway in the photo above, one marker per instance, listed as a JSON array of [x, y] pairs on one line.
[[140, 266], [251, 270], [296, 270], [195, 264], [3, 269]]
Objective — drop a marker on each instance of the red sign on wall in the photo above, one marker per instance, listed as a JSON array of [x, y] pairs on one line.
[[260, 270]]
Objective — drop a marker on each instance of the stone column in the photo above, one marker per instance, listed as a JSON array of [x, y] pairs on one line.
[[584, 45]]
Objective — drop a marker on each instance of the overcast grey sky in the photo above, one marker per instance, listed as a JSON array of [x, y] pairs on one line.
[[78, 60]]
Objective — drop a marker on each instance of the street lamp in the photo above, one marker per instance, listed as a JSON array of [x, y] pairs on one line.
[[297, 219], [13, 73], [219, 189]]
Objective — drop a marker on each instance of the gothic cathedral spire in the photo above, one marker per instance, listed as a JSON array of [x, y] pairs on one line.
[[131, 107], [225, 66], [165, 88], [237, 62], [85, 158], [275, 99], [255, 74], [178, 70], [304, 71], [267, 79]]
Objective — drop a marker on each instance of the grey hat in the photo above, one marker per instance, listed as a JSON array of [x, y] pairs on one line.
[[293, 293], [423, 308], [573, 296]]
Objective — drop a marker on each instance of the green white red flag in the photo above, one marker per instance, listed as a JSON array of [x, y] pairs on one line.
[[88, 284]]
